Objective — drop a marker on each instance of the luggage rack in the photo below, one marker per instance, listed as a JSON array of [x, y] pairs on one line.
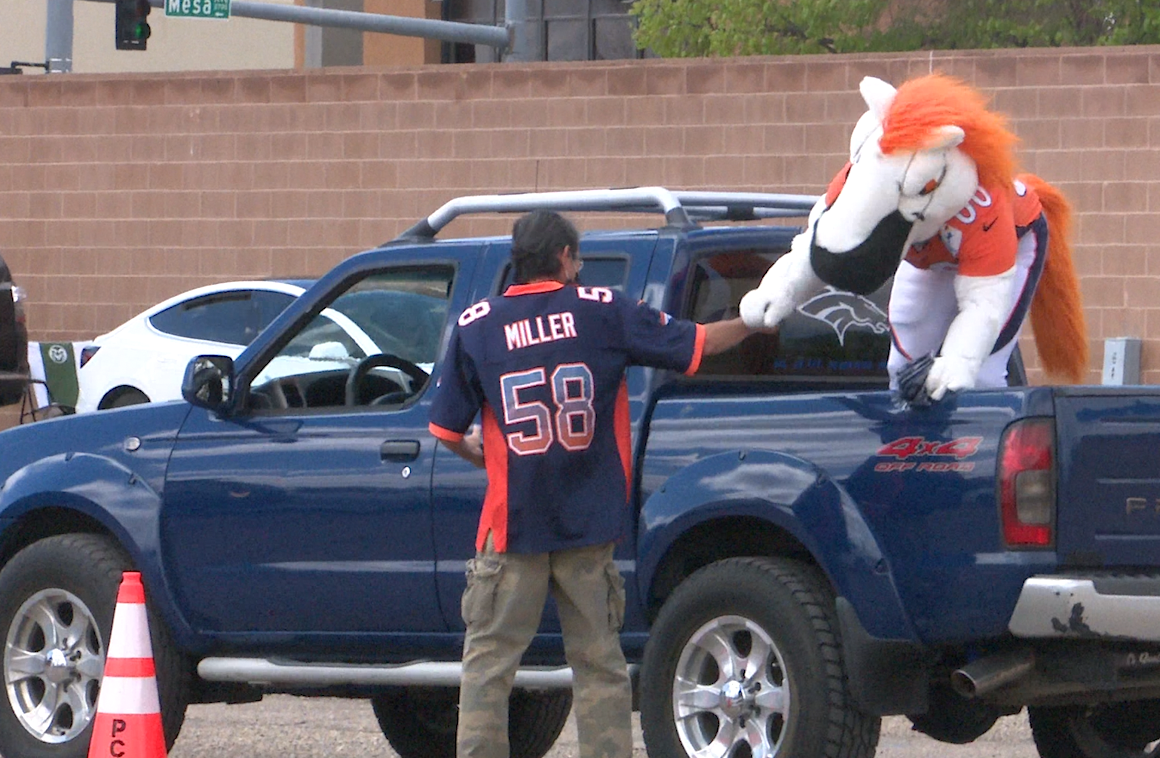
[[681, 208]]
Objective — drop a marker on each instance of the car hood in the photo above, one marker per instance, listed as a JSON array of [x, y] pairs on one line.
[[138, 438]]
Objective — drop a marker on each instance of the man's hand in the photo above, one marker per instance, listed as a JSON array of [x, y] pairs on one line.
[[722, 335], [470, 448]]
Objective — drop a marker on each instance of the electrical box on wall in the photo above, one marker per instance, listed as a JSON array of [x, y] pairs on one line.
[[1121, 360]]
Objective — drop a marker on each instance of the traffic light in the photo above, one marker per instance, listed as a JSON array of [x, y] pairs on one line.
[[132, 24]]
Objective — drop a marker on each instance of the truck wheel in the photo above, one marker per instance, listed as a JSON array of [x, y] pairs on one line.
[[1110, 730], [744, 659], [420, 722], [56, 611]]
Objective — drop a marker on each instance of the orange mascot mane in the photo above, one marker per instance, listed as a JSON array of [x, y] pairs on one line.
[[928, 102]]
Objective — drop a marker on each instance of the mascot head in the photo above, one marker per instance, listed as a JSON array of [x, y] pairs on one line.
[[934, 141]]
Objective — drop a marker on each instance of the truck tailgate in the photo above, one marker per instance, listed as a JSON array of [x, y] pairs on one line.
[[1109, 476]]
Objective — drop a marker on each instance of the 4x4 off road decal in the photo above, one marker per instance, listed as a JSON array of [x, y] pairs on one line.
[[914, 454], [843, 310]]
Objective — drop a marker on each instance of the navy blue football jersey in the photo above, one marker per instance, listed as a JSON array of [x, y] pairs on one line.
[[543, 365]]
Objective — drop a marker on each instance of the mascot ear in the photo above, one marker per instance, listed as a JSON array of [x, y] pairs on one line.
[[944, 138], [878, 95]]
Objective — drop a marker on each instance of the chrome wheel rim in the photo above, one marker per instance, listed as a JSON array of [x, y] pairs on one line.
[[54, 657], [731, 692]]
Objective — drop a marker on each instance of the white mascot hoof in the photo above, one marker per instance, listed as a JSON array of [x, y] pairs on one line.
[[755, 310], [950, 374]]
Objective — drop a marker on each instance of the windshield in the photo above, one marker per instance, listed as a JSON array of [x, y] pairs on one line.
[[406, 324]]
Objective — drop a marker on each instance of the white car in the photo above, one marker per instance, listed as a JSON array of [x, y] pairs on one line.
[[143, 360]]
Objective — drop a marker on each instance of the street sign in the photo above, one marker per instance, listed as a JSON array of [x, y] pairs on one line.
[[198, 8]]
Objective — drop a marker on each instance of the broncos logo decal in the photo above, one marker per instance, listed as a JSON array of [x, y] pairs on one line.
[[843, 310]]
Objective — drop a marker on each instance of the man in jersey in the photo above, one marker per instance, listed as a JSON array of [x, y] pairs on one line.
[[544, 365]]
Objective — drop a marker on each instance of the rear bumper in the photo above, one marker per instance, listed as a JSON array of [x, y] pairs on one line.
[[1106, 606]]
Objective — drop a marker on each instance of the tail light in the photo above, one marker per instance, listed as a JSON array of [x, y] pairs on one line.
[[1027, 483], [87, 352]]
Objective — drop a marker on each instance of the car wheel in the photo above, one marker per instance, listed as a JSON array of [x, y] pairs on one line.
[[125, 398], [744, 659], [56, 611], [420, 722], [1108, 730]]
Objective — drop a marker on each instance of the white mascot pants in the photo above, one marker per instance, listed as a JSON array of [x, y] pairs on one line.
[[922, 306]]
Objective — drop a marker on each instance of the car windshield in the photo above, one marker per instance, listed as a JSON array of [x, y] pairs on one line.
[[406, 324]]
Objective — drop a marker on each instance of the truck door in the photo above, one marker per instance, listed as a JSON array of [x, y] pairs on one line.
[[1108, 475], [619, 261], [307, 512]]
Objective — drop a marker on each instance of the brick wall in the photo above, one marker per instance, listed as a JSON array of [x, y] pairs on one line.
[[119, 191]]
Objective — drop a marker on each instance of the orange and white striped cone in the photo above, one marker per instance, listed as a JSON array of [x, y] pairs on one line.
[[128, 723]]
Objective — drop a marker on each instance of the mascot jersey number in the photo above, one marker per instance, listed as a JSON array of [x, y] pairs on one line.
[[930, 196]]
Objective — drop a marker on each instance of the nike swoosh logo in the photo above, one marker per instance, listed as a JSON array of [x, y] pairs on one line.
[[987, 227]]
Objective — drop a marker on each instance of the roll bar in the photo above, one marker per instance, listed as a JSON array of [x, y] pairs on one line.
[[680, 208]]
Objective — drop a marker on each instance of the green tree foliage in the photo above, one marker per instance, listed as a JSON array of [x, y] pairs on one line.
[[690, 28]]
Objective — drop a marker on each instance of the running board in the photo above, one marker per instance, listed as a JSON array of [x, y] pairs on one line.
[[260, 671]]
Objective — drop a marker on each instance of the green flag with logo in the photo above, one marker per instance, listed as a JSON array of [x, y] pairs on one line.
[[60, 372]]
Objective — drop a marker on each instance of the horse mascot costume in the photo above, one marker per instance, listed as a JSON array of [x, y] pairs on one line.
[[930, 196]]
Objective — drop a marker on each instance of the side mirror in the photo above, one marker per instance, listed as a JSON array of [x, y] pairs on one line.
[[209, 382]]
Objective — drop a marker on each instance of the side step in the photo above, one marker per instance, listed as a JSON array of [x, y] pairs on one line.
[[260, 671]]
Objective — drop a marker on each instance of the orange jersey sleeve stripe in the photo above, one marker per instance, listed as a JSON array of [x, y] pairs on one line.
[[444, 434], [698, 351]]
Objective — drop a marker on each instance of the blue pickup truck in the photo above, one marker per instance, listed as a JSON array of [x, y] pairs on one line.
[[803, 554]]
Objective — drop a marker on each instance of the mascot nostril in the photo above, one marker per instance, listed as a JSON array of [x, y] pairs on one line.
[[931, 197]]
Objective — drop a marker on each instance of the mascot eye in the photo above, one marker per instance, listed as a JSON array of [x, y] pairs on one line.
[[929, 187]]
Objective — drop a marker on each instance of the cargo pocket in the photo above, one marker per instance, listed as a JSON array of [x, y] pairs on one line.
[[615, 597], [478, 603]]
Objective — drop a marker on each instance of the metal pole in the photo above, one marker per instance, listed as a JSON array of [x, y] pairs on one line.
[[451, 31], [525, 43], [58, 36]]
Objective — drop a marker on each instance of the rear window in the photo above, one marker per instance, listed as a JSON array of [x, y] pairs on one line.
[[601, 270], [834, 337], [233, 318]]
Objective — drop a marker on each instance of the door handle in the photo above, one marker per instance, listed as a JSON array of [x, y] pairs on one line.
[[399, 451]]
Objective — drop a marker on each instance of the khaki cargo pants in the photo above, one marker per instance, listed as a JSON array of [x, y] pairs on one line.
[[502, 606]]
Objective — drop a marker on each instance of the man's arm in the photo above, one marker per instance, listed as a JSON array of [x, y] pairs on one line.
[[722, 335], [469, 447]]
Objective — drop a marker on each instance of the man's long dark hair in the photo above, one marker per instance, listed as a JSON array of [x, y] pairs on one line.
[[537, 239]]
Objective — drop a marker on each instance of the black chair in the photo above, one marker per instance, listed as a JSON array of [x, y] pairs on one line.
[[30, 407]]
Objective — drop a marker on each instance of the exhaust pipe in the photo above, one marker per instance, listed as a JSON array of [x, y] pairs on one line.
[[989, 674]]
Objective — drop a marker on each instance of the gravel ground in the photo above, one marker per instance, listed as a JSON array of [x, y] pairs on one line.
[[290, 727]]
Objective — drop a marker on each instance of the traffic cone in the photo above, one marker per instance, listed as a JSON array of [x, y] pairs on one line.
[[128, 723]]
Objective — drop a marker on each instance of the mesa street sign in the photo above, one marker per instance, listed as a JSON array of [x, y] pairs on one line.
[[198, 8]]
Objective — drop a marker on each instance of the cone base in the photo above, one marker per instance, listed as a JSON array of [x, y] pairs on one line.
[[127, 736]]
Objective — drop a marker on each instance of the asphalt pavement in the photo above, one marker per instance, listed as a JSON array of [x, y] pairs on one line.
[[291, 727]]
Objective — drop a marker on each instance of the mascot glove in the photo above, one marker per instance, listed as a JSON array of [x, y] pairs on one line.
[[951, 373], [755, 311]]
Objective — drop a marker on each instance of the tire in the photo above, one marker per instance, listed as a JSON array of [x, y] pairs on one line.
[[68, 584], [125, 398], [792, 698], [1109, 730], [420, 722]]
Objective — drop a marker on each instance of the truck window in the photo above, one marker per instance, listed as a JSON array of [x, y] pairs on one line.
[[374, 345], [835, 337]]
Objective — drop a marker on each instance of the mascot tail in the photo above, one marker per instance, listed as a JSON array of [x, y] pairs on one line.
[[1057, 319]]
